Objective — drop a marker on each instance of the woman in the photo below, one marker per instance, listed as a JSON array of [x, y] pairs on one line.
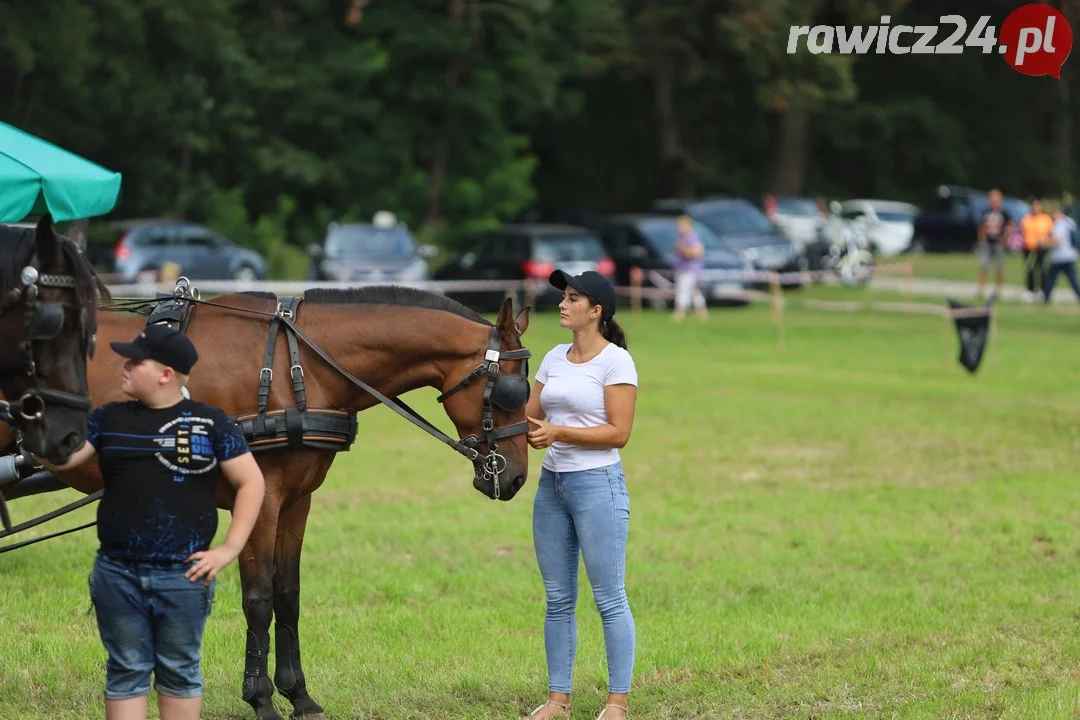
[[582, 411]]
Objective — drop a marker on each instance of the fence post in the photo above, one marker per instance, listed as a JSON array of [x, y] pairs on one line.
[[910, 285], [637, 279], [777, 302]]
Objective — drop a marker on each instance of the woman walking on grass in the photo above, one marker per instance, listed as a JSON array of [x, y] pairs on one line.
[[582, 411]]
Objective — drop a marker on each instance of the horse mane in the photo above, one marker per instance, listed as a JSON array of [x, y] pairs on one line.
[[392, 295], [17, 246]]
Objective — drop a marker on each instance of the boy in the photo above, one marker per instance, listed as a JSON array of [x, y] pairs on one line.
[[161, 456]]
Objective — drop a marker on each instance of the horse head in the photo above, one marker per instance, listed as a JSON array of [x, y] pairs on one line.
[[47, 319], [487, 407]]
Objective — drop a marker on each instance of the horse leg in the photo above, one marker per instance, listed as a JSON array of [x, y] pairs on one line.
[[257, 583], [288, 675]]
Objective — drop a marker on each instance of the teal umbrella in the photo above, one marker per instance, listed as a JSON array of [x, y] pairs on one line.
[[37, 177]]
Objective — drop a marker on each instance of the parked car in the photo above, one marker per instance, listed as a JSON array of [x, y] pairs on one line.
[[145, 246], [799, 217], [743, 228], [888, 225], [382, 251], [524, 252], [950, 221], [648, 242]]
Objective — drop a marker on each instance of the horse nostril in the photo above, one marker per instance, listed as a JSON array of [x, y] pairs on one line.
[[71, 442], [518, 482]]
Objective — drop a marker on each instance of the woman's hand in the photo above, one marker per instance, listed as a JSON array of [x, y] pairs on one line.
[[542, 434]]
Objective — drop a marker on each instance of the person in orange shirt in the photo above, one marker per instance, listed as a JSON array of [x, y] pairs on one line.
[[1035, 227]]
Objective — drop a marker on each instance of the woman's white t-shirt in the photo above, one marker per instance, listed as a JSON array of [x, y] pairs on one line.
[[573, 396]]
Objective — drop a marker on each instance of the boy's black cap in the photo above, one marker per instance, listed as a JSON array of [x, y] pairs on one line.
[[160, 342], [591, 283]]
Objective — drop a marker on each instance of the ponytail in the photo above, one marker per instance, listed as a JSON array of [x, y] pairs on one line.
[[613, 333]]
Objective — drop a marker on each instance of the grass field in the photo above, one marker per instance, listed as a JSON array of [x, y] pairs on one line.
[[847, 529]]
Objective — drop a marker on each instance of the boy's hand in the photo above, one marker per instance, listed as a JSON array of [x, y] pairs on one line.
[[209, 562]]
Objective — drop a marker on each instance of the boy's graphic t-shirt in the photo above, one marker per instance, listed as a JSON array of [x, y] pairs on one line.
[[161, 468]]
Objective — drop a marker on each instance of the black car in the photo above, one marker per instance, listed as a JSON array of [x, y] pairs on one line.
[[742, 227], [647, 241], [523, 252], [383, 251], [950, 221]]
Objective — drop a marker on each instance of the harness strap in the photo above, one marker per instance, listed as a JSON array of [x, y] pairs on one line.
[[289, 305], [266, 374]]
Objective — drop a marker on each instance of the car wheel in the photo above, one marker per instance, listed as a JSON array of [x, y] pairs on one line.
[[245, 274], [918, 245]]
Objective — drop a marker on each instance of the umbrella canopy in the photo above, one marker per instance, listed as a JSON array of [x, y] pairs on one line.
[[37, 177]]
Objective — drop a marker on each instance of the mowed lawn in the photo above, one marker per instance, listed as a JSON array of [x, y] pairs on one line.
[[850, 528]]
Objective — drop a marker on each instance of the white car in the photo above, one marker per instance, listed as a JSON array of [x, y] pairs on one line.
[[888, 225], [799, 217]]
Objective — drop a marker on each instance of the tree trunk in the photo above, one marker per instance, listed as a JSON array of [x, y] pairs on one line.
[[437, 171], [673, 180], [1063, 120], [792, 151]]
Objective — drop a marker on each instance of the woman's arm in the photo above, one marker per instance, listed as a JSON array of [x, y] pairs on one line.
[[619, 400]]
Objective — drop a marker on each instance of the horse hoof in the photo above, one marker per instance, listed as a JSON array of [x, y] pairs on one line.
[[309, 716]]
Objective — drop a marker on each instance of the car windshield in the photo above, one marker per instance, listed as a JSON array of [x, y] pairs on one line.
[[569, 248], [662, 233], [797, 206], [731, 222], [366, 241]]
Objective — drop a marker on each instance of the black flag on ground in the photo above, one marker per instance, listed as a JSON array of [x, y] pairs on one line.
[[973, 327]]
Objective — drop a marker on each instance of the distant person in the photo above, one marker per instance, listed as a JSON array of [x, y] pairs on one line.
[[1061, 254], [1036, 227], [994, 227], [689, 265]]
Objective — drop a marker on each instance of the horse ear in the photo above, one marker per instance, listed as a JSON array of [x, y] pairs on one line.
[[505, 321], [47, 242], [522, 320]]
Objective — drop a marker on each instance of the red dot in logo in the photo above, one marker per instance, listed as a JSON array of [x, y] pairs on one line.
[[1036, 40]]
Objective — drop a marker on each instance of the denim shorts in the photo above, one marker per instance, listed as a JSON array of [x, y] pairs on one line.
[[151, 620]]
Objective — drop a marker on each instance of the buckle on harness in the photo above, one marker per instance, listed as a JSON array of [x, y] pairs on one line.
[[268, 373], [282, 312], [296, 367]]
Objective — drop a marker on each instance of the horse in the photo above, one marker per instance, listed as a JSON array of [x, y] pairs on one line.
[[48, 320], [398, 339]]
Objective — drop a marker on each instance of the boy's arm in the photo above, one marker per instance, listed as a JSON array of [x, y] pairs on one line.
[[77, 458], [243, 473]]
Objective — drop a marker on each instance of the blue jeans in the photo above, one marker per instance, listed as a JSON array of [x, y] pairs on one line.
[[151, 619], [1069, 268], [588, 512]]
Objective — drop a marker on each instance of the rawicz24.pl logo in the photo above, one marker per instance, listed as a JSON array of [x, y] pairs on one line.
[[1035, 39]]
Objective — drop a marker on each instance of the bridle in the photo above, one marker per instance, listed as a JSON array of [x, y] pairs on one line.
[[44, 321], [507, 392]]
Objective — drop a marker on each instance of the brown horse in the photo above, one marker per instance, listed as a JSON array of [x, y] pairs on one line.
[[48, 293], [395, 339]]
